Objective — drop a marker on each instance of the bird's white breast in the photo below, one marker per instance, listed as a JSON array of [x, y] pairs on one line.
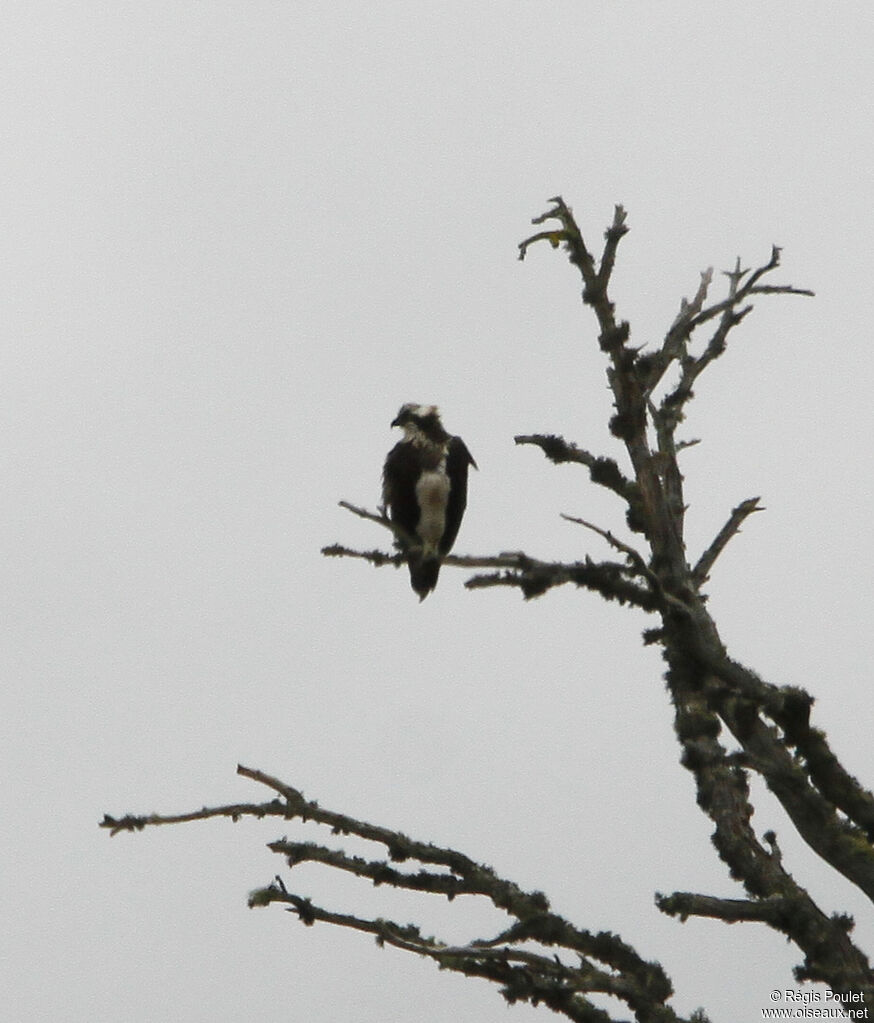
[[432, 495]]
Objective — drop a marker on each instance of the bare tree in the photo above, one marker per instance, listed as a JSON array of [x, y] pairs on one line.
[[728, 721]]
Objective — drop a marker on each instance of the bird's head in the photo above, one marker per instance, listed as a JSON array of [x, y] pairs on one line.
[[420, 422]]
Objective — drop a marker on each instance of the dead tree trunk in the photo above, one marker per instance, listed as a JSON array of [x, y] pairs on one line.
[[713, 696]]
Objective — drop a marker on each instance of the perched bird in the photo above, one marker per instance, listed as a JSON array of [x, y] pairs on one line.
[[424, 489]]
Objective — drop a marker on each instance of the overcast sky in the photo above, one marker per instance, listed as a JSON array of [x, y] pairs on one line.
[[236, 237]]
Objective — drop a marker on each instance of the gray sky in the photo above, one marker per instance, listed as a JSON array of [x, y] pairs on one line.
[[236, 238]]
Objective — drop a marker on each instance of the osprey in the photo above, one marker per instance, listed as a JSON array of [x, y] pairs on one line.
[[424, 489]]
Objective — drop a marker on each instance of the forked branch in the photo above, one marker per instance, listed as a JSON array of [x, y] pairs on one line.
[[712, 696], [522, 957], [533, 576]]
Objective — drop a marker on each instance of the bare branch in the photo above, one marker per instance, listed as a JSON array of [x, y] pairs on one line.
[[532, 576], [693, 367], [602, 470], [569, 233], [836, 841], [613, 235], [701, 571], [780, 289], [677, 337], [719, 308], [235, 811], [688, 310], [711, 695], [694, 314], [377, 558], [595, 283], [607, 578], [555, 238], [723, 793], [686, 904], [556, 448], [525, 973], [381, 519], [377, 871], [639, 565], [637, 560]]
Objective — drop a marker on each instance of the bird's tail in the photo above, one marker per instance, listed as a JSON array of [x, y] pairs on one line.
[[423, 574]]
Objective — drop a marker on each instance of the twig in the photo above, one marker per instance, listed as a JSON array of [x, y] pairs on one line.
[[638, 563], [688, 310], [635, 557], [693, 314], [377, 558], [702, 568], [613, 235], [400, 534], [235, 811]]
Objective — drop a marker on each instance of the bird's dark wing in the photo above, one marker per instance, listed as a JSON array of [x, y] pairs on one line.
[[399, 476], [458, 460]]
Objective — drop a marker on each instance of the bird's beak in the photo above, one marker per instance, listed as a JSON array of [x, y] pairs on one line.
[[396, 421]]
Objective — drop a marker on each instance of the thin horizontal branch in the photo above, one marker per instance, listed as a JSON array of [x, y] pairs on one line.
[[718, 308], [532, 576], [292, 804], [607, 578], [386, 931], [378, 558], [234, 811], [378, 871], [686, 904], [780, 289]]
